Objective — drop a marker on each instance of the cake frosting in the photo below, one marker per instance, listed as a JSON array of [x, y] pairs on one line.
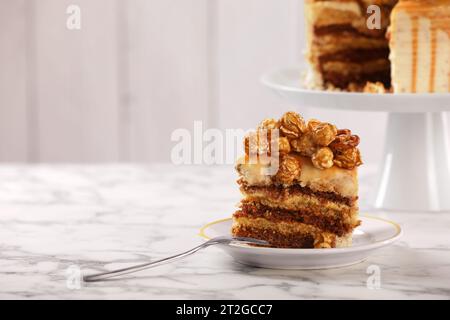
[[420, 46], [335, 179]]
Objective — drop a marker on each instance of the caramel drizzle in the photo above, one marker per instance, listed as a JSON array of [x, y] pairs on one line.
[[415, 31], [433, 60]]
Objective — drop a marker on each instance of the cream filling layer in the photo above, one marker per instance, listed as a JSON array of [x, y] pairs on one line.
[[343, 182]]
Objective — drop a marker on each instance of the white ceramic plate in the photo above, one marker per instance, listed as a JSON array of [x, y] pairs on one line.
[[287, 82], [373, 234]]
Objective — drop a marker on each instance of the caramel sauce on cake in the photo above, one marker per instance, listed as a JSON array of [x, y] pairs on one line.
[[414, 53], [433, 60]]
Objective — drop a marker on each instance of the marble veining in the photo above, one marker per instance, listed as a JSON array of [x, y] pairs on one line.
[[97, 217]]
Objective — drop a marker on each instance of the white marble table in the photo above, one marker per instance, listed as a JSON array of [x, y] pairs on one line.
[[105, 216]]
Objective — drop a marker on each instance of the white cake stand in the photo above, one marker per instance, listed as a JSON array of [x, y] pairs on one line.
[[415, 174]]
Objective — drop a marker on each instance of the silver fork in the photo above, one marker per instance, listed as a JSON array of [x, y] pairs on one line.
[[218, 240]]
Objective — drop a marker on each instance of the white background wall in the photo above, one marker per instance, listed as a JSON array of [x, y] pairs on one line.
[[138, 69]]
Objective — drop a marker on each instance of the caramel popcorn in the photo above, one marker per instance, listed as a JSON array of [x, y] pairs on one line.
[[376, 87], [312, 124], [248, 150], [255, 144], [304, 145], [323, 158], [343, 142], [343, 132], [323, 134], [323, 241], [260, 142], [348, 159], [269, 124], [251, 144], [321, 141], [264, 146], [292, 125], [283, 145], [289, 169]]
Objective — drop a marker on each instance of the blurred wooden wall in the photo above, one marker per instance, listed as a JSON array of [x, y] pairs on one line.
[[111, 91], [137, 70]]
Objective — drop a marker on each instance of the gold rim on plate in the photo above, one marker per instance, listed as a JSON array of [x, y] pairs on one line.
[[395, 224]]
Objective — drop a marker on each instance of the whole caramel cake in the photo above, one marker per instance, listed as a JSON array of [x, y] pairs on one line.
[[310, 201], [410, 51]]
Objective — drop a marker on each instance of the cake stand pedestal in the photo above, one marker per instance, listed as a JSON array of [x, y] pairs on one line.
[[415, 173]]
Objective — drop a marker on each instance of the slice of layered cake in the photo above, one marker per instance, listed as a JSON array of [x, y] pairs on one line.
[[304, 195], [343, 52]]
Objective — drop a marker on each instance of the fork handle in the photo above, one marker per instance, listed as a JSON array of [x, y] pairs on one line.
[[119, 272]]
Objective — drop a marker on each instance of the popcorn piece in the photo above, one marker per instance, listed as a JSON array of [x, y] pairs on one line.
[[257, 142], [260, 142], [289, 169], [343, 142], [292, 125], [344, 132], [323, 241], [269, 124], [374, 87], [283, 145], [323, 158], [312, 124], [324, 134], [304, 145], [251, 144], [348, 159]]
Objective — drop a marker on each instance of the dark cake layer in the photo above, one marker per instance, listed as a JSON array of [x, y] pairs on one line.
[[334, 223], [340, 29], [356, 55], [275, 239], [277, 191]]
